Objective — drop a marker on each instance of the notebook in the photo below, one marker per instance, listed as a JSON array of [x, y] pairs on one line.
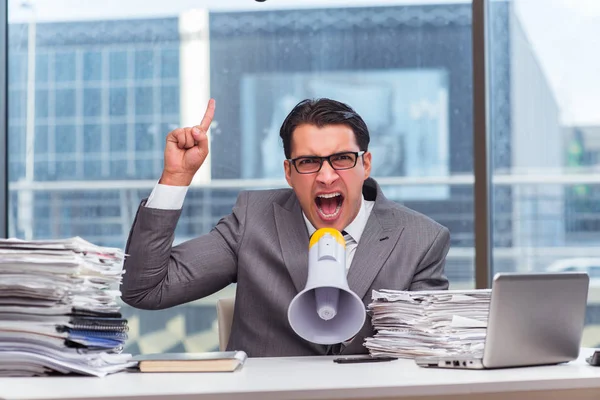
[[534, 319], [225, 361]]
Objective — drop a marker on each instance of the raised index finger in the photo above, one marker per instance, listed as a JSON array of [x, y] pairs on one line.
[[208, 116]]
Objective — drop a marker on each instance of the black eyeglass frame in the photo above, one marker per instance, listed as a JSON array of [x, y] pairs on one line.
[[357, 154]]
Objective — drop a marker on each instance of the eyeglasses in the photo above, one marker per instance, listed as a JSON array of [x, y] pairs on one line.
[[338, 161]]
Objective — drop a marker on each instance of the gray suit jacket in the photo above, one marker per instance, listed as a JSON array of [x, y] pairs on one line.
[[263, 246]]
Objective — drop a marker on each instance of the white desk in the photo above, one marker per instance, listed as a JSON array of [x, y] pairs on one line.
[[320, 378]]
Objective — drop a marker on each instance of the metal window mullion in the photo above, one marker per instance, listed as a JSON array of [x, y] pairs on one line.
[[481, 149]]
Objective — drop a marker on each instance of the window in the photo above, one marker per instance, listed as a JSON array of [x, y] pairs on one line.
[[17, 67], [92, 138], [169, 100], [144, 64], [169, 65], [109, 89], [144, 137], [545, 127], [118, 65], [65, 139], [64, 67], [118, 101], [41, 141], [118, 138], [16, 105], [65, 103], [92, 102], [92, 66], [144, 104], [41, 68], [41, 103]]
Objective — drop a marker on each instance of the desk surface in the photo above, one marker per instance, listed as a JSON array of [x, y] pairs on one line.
[[312, 378]]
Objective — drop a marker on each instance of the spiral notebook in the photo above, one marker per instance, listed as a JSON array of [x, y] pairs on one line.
[[224, 361]]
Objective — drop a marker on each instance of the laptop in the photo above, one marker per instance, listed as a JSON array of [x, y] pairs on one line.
[[534, 319]]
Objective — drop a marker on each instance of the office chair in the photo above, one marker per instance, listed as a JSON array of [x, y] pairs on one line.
[[224, 320]]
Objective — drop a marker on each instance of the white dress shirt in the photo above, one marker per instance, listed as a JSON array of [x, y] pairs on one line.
[[166, 197], [353, 231]]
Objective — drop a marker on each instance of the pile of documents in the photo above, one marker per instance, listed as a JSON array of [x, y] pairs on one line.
[[428, 323], [57, 308]]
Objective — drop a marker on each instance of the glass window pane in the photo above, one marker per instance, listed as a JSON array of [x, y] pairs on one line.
[[144, 104], [116, 86], [118, 137], [545, 126], [117, 101], [92, 169], [145, 168], [64, 67], [66, 170], [144, 64], [17, 68], [118, 65], [16, 142], [65, 102], [169, 63], [170, 100], [41, 68], [65, 139], [118, 166], [144, 137], [92, 66], [92, 138], [92, 102], [41, 171], [17, 106], [41, 103], [41, 141]]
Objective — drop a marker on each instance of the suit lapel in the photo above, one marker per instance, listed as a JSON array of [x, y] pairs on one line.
[[379, 238], [293, 239]]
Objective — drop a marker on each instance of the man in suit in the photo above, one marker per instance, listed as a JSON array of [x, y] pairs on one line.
[[263, 244]]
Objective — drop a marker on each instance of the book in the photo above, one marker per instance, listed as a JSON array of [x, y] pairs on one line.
[[224, 361]]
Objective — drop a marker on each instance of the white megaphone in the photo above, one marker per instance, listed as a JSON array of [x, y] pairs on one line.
[[326, 311]]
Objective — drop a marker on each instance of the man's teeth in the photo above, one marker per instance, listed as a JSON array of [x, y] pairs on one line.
[[329, 195]]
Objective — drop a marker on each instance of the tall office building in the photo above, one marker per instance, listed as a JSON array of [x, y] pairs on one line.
[[104, 93]]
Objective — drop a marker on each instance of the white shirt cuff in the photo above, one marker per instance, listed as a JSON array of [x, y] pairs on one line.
[[166, 197]]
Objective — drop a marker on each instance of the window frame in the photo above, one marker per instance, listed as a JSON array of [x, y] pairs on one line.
[[481, 139]]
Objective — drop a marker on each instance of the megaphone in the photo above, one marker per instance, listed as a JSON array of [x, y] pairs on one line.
[[326, 311]]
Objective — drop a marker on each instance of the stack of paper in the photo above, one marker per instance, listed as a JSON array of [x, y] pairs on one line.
[[57, 308], [428, 323]]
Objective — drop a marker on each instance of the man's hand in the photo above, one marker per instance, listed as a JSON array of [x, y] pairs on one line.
[[186, 150]]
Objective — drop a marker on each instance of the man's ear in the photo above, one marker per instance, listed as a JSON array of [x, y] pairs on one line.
[[287, 167], [367, 164]]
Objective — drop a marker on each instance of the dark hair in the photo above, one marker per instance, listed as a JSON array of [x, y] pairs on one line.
[[323, 112]]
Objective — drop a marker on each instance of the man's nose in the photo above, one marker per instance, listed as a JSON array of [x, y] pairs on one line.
[[327, 175]]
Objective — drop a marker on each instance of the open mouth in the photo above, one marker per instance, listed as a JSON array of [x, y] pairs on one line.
[[329, 205]]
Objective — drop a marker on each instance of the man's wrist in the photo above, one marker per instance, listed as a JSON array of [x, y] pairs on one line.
[[175, 179]]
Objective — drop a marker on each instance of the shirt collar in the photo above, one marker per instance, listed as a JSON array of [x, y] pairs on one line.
[[354, 229]]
